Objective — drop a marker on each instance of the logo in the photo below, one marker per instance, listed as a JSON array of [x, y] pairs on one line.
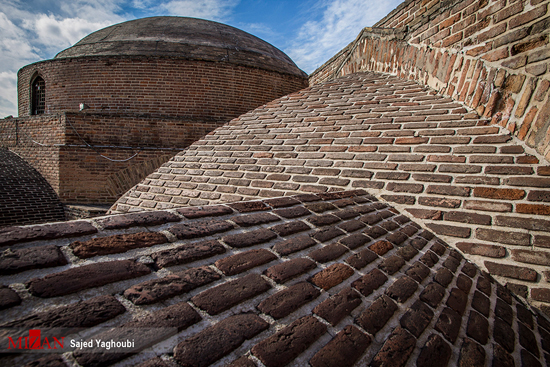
[[34, 341]]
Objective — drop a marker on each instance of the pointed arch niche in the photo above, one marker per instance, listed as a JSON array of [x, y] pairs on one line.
[[38, 95]]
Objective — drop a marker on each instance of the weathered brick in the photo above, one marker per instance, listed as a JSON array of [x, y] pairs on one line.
[[76, 315], [392, 264], [528, 181], [86, 276], [294, 212], [283, 303], [228, 294], [323, 220], [343, 350], [289, 269], [541, 294], [507, 237], [335, 308], [248, 239], [332, 276], [432, 294], [482, 249], [327, 234], [196, 229], [396, 350], [447, 230], [375, 317], [281, 202], [471, 354], [449, 324], [465, 217], [525, 223], [249, 206], [116, 244], [12, 235], [417, 318], [436, 352], [405, 187], [511, 271], [320, 207], [239, 362], [354, 240], [504, 335], [294, 245], [218, 340], [500, 194], [156, 290], [402, 289], [418, 271], [489, 206], [439, 202], [381, 247], [531, 257], [282, 347], [535, 195], [15, 261], [187, 253], [8, 298], [481, 303], [243, 261], [138, 219], [328, 253]]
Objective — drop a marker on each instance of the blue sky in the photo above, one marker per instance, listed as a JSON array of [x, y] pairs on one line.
[[309, 31]]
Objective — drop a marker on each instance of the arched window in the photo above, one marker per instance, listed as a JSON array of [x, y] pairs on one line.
[[38, 96]]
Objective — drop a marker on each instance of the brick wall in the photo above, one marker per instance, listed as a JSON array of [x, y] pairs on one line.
[[159, 86], [492, 55]]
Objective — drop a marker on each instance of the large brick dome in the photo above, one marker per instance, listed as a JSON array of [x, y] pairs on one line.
[[191, 38]]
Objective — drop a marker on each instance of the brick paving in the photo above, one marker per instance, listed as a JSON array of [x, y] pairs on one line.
[[368, 286], [435, 160]]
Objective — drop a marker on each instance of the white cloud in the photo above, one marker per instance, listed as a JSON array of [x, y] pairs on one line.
[[8, 94], [206, 9], [341, 22]]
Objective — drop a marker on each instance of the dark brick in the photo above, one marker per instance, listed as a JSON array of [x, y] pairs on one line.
[[402, 289], [187, 253], [8, 298], [254, 219], [281, 202], [343, 350], [307, 198], [464, 283], [417, 318], [501, 358], [503, 334], [407, 252], [375, 317], [332, 276], [438, 248], [371, 219], [526, 223], [323, 220], [392, 264], [352, 225], [327, 234], [519, 289], [418, 271], [335, 308], [447, 230], [405, 187], [418, 243], [251, 238], [244, 261], [320, 207], [449, 324], [227, 295], [375, 232], [157, 290], [429, 258], [507, 237], [249, 206], [295, 212], [397, 238], [396, 350], [436, 352], [281, 348], [528, 182], [439, 202], [504, 294], [84, 277], [471, 354], [241, 362], [511, 271], [328, 253], [484, 285], [524, 315], [52, 360], [451, 263], [196, 229], [527, 339], [478, 327], [218, 340], [540, 294], [481, 303], [531, 257], [206, 211], [77, 315], [12, 235], [400, 199], [361, 259], [116, 244], [370, 282], [535, 195], [389, 225], [290, 269], [142, 219], [290, 228], [528, 360], [285, 302], [354, 240], [16, 261], [293, 245], [470, 218], [347, 213], [432, 294], [504, 311], [482, 249]]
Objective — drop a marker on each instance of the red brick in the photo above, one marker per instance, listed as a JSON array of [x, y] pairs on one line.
[[500, 194], [284, 346], [332, 276], [533, 209], [335, 308], [283, 303], [343, 350], [482, 249], [228, 294], [187, 253], [116, 244], [511, 271], [527, 16], [218, 340], [86, 276]]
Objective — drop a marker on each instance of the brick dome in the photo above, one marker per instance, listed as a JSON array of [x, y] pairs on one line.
[[190, 38]]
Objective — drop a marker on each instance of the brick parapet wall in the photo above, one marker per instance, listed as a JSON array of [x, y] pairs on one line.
[[492, 56], [154, 85]]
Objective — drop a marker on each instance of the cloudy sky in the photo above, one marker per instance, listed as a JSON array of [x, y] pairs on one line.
[[309, 31]]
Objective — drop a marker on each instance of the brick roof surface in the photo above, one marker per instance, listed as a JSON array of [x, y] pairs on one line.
[[436, 161], [330, 279]]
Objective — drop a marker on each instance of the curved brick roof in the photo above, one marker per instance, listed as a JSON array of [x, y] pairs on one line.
[[459, 176], [331, 279], [25, 195], [190, 38]]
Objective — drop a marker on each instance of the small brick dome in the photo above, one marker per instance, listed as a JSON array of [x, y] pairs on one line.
[[191, 38]]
